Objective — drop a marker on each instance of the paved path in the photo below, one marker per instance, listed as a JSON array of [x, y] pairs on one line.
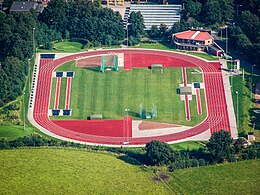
[[230, 107]]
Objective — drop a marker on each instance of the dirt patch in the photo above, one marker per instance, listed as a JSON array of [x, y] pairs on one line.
[[161, 176], [95, 61], [154, 125]]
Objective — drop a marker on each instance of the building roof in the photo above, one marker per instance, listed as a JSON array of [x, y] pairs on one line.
[[196, 35], [24, 6]]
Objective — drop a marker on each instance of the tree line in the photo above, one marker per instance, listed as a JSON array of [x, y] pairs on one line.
[[80, 20], [220, 148], [84, 20]]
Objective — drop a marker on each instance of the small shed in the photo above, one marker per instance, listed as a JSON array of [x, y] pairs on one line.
[[96, 117], [250, 136], [185, 91], [157, 66]]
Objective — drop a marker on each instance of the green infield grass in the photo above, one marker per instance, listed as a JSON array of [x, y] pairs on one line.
[[73, 171], [110, 93], [193, 75]]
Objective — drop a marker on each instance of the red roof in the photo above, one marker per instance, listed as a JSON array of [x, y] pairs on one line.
[[194, 35]]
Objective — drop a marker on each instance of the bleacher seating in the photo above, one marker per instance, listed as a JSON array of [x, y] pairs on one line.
[[51, 56], [59, 74], [66, 112], [55, 112], [155, 14], [70, 74]]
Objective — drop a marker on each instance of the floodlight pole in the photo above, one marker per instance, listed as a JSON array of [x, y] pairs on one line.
[[252, 73], [128, 24], [127, 137], [24, 125], [29, 75], [33, 42], [237, 8], [237, 111], [226, 40]]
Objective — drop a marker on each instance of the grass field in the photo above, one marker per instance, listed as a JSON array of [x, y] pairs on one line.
[[112, 92], [67, 46], [203, 55], [232, 178], [64, 171], [58, 171], [188, 145]]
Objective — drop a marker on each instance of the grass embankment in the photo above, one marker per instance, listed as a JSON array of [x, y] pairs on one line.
[[59, 171], [71, 47], [64, 171], [165, 45], [245, 104], [112, 92], [9, 129], [230, 178], [188, 145]]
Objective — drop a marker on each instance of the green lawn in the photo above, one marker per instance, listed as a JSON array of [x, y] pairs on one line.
[[232, 178], [67, 46], [63, 88], [244, 102], [72, 171], [112, 92], [193, 75], [156, 45], [188, 145], [53, 88], [60, 171], [11, 131], [203, 55]]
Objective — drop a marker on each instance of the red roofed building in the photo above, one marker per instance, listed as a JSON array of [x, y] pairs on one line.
[[195, 40]]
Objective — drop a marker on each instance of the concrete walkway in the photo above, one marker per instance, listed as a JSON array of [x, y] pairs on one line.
[[228, 94]]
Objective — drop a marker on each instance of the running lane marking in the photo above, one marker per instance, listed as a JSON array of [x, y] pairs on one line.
[[187, 104], [57, 94], [67, 102], [198, 101]]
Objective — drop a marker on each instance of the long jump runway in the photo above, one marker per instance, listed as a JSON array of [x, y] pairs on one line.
[[216, 119]]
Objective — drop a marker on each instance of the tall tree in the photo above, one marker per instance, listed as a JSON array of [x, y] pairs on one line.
[[154, 32], [250, 24], [136, 27], [192, 8], [159, 153], [219, 146], [227, 9], [55, 16], [211, 12]]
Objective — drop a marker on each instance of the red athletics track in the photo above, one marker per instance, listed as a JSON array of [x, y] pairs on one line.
[[216, 103]]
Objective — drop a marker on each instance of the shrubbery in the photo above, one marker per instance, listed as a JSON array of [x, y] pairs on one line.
[[156, 152], [220, 148]]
